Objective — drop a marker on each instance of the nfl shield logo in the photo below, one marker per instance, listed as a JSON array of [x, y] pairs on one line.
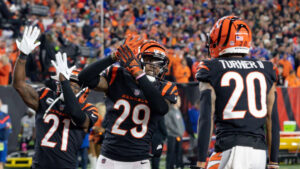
[[103, 161], [136, 92]]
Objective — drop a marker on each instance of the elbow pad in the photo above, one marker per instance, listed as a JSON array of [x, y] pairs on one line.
[[204, 124]]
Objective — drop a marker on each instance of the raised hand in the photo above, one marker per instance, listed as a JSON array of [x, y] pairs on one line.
[[61, 66], [129, 60], [28, 42], [133, 42]]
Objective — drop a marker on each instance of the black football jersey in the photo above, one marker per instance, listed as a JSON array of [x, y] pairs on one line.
[[58, 139], [241, 86], [129, 121]]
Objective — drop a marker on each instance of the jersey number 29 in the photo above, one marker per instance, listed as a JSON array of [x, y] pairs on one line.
[[135, 118], [229, 112]]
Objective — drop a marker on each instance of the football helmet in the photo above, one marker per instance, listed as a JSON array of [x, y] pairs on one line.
[[153, 53], [229, 35], [83, 93]]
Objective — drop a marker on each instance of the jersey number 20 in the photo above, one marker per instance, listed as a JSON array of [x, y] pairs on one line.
[[229, 112], [135, 118]]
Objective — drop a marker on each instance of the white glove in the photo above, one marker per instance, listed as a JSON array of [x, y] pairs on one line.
[[27, 44], [61, 66]]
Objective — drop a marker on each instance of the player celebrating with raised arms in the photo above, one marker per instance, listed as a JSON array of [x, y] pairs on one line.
[[238, 95], [137, 96], [62, 119]]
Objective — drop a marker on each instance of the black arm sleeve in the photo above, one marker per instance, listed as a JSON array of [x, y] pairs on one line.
[[89, 76], [204, 124], [72, 104], [275, 133], [156, 101]]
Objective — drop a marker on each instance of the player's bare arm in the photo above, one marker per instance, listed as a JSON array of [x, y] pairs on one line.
[[272, 128], [28, 94], [205, 124], [26, 46]]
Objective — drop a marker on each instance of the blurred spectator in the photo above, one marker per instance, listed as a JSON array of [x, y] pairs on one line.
[[275, 25], [5, 69], [193, 113], [182, 72], [280, 78], [292, 80], [298, 71], [175, 129], [5, 130], [287, 66], [27, 133], [83, 152]]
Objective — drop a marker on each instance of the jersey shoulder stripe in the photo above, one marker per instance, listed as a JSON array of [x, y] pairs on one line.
[[165, 88], [43, 92]]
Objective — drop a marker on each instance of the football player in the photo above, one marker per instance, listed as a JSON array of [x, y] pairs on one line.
[[62, 119], [137, 97], [237, 95]]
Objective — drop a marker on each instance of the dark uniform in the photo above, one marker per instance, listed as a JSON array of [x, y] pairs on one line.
[[241, 86], [57, 138], [129, 122]]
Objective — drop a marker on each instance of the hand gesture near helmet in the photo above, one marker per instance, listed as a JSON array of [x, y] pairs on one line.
[[61, 66], [28, 42], [127, 54], [130, 61]]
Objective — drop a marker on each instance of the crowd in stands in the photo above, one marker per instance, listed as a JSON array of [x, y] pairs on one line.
[[180, 25]]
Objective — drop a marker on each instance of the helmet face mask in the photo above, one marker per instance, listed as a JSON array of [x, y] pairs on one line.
[[229, 35], [154, 59]]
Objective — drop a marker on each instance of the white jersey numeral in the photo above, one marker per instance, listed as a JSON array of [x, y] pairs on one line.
[[229, 112], [135, 118], [65, 134]]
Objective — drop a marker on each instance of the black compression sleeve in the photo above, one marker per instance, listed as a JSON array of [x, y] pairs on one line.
[[156, 101], [275, 133], [72, 104], [204, 124], [89, 76]]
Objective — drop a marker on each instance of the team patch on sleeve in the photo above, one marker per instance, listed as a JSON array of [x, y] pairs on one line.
[[203, 71], [170, 92]]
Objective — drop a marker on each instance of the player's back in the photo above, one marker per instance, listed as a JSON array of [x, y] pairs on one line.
[[241, 86], [57, 138], [129, 121]]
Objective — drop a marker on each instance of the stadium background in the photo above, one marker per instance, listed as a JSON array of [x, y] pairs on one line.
[[88, 30]]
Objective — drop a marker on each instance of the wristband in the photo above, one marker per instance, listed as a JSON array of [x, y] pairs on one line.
[[22, 56], [139, 76]]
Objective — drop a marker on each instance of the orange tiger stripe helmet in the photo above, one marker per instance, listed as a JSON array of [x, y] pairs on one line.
[[156, 51], [229, 35]]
